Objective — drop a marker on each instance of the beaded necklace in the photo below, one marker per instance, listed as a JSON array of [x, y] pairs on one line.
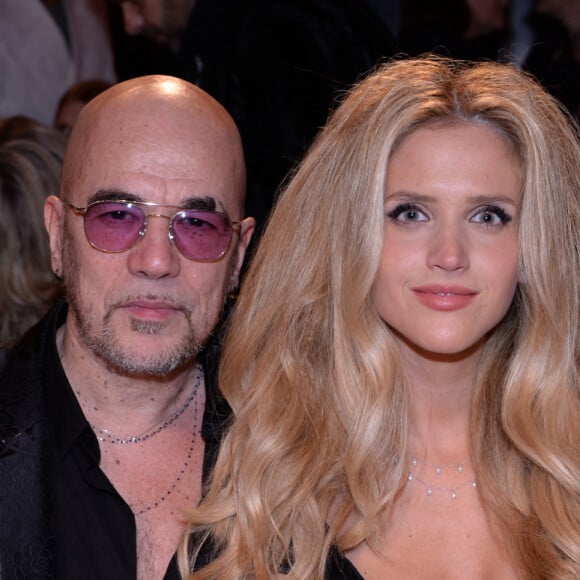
[[438, 469], [187, 461]]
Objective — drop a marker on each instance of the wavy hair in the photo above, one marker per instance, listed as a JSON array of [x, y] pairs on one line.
[[31, 157], [314, 376]]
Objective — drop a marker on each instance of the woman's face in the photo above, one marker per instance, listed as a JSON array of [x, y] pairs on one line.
[[450, 257]]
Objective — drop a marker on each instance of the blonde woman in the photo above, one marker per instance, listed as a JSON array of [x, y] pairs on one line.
[[403, 361]]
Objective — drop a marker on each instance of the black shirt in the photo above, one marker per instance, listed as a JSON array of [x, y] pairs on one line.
[[79, 526]]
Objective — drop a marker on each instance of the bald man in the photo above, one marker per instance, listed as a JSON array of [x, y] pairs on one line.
[[110, 414]]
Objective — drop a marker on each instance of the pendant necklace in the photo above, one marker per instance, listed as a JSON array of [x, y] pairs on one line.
[[438, 469]]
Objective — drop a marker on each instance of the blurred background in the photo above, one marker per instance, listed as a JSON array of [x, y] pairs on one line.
[[278, 66]]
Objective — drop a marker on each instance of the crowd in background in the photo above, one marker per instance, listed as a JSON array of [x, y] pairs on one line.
[[278, 66], [399, 367]]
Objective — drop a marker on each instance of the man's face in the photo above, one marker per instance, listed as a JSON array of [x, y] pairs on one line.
[[162, 20], [148, 310]]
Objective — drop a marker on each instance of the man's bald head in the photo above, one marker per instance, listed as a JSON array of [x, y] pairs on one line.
[[150, 114]]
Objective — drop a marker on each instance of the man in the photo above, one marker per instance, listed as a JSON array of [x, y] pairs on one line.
[[102, 403], [277, 66]]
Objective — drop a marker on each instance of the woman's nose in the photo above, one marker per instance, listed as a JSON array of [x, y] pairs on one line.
[[448, 249]]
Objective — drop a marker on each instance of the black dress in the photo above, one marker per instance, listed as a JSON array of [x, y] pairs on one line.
[[340, 568]]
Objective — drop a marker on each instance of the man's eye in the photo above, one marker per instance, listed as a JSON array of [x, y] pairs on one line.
[[196, 223], [113, 213], [118, 215]]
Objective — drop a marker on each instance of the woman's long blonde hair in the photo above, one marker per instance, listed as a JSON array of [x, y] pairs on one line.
[[313, 374]]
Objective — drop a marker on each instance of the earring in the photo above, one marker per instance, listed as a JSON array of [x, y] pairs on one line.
[[57, 275]]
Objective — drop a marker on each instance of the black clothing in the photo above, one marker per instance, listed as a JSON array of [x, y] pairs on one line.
[[60, 516], [340, 568], [278, 66]]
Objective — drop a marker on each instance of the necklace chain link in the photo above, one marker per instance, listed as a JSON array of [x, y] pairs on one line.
[[189, 455], [108, 436]]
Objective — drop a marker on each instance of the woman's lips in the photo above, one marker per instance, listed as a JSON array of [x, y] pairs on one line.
[[438, 297]]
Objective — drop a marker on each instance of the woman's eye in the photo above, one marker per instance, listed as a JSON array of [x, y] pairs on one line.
[[407, 213], [491, 216]]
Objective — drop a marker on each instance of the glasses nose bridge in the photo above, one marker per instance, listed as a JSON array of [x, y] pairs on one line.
[[169, 218]]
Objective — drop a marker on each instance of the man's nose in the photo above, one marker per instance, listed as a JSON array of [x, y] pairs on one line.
[[133, 19], [154, 255]]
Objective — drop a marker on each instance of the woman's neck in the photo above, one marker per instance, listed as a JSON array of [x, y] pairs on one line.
[[440, 390]]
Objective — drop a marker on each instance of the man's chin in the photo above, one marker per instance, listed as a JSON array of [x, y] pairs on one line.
[[148, 362], [144, 328], [147, 351]]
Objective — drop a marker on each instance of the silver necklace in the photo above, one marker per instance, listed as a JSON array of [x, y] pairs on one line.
[[108, 436], [438, 468], [188, 457]]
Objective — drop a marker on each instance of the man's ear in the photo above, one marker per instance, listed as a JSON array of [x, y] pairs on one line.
[[247, 227], [53, 221]]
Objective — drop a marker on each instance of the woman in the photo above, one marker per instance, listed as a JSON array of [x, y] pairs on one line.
[[403, 360]]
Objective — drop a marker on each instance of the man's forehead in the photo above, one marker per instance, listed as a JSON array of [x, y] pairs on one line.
[[157, 117], [184, 177], [149, 139]]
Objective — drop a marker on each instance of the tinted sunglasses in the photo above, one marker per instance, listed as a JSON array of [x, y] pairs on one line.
[[116, 226]]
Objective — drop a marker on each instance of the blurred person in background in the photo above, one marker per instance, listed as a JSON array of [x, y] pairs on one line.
[[74, 100], [47, 46], [31, 157]]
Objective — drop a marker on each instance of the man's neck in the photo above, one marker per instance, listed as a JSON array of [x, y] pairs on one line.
[[105, 396]]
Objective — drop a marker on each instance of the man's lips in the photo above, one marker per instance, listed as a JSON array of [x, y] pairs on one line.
[[443, 297], [150, 309]]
